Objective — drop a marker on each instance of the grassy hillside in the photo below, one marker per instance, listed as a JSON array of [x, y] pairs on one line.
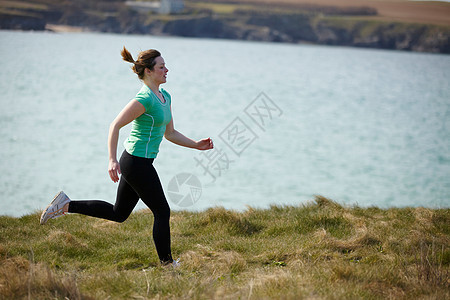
[[316, 251], [424, 12]]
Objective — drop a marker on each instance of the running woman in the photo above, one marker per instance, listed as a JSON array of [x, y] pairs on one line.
[[151, 117]]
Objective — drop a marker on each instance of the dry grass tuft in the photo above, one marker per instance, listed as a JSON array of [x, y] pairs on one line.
[[204, 259], [22, 279], [268, 284], [430, 268], [424, 217], [65, 238], [105, 225], [361, 238], [325, 202], [235, 223]]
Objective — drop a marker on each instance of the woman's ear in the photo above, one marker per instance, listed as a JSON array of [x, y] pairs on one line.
[[147, 71]]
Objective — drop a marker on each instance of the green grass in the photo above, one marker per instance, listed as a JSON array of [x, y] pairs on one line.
[[320, 250], [23, 5], [218, 8]]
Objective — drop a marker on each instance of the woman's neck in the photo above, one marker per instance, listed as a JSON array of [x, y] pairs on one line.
[[152, 85]]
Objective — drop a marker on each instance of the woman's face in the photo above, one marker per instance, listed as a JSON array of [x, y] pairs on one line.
[[159, 72]]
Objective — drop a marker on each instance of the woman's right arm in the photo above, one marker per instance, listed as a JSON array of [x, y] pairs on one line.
[[130, 112]]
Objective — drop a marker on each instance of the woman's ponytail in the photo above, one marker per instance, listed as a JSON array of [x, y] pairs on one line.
[[126, 55]]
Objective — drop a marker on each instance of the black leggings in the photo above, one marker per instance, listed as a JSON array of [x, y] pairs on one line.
[[139, 180]]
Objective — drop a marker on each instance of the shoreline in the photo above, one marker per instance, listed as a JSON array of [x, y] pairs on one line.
[[65, 28]]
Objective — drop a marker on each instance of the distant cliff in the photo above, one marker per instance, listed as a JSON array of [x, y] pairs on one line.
[[320, 25], [21, 22], [298, 28]]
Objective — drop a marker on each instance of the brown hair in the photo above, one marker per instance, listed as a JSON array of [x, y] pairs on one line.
[[146, 59]]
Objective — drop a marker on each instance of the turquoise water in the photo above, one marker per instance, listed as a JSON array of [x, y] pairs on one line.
[[359, 126]]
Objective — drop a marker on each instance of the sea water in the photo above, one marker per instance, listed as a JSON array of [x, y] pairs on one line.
[[359, 126]]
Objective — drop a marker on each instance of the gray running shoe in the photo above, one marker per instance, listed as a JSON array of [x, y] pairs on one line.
[[176, 263], [55, 208]]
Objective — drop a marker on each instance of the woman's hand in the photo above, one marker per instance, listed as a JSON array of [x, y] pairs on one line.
[[114, 170], [205, 144]]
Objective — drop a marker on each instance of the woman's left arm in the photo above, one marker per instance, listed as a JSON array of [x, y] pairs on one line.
[[178, 138]]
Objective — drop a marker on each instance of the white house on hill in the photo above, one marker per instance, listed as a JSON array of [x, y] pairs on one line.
[[171, 6]]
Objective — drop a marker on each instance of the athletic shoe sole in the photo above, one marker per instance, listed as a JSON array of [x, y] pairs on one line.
[[54, 209]]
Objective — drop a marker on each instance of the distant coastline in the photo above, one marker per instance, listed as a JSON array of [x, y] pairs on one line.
[[358, 26]]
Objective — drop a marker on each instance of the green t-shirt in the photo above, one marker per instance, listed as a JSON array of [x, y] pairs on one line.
[[148, 129]]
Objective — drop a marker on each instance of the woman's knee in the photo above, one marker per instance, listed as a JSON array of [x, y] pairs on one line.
[[120, 218]]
